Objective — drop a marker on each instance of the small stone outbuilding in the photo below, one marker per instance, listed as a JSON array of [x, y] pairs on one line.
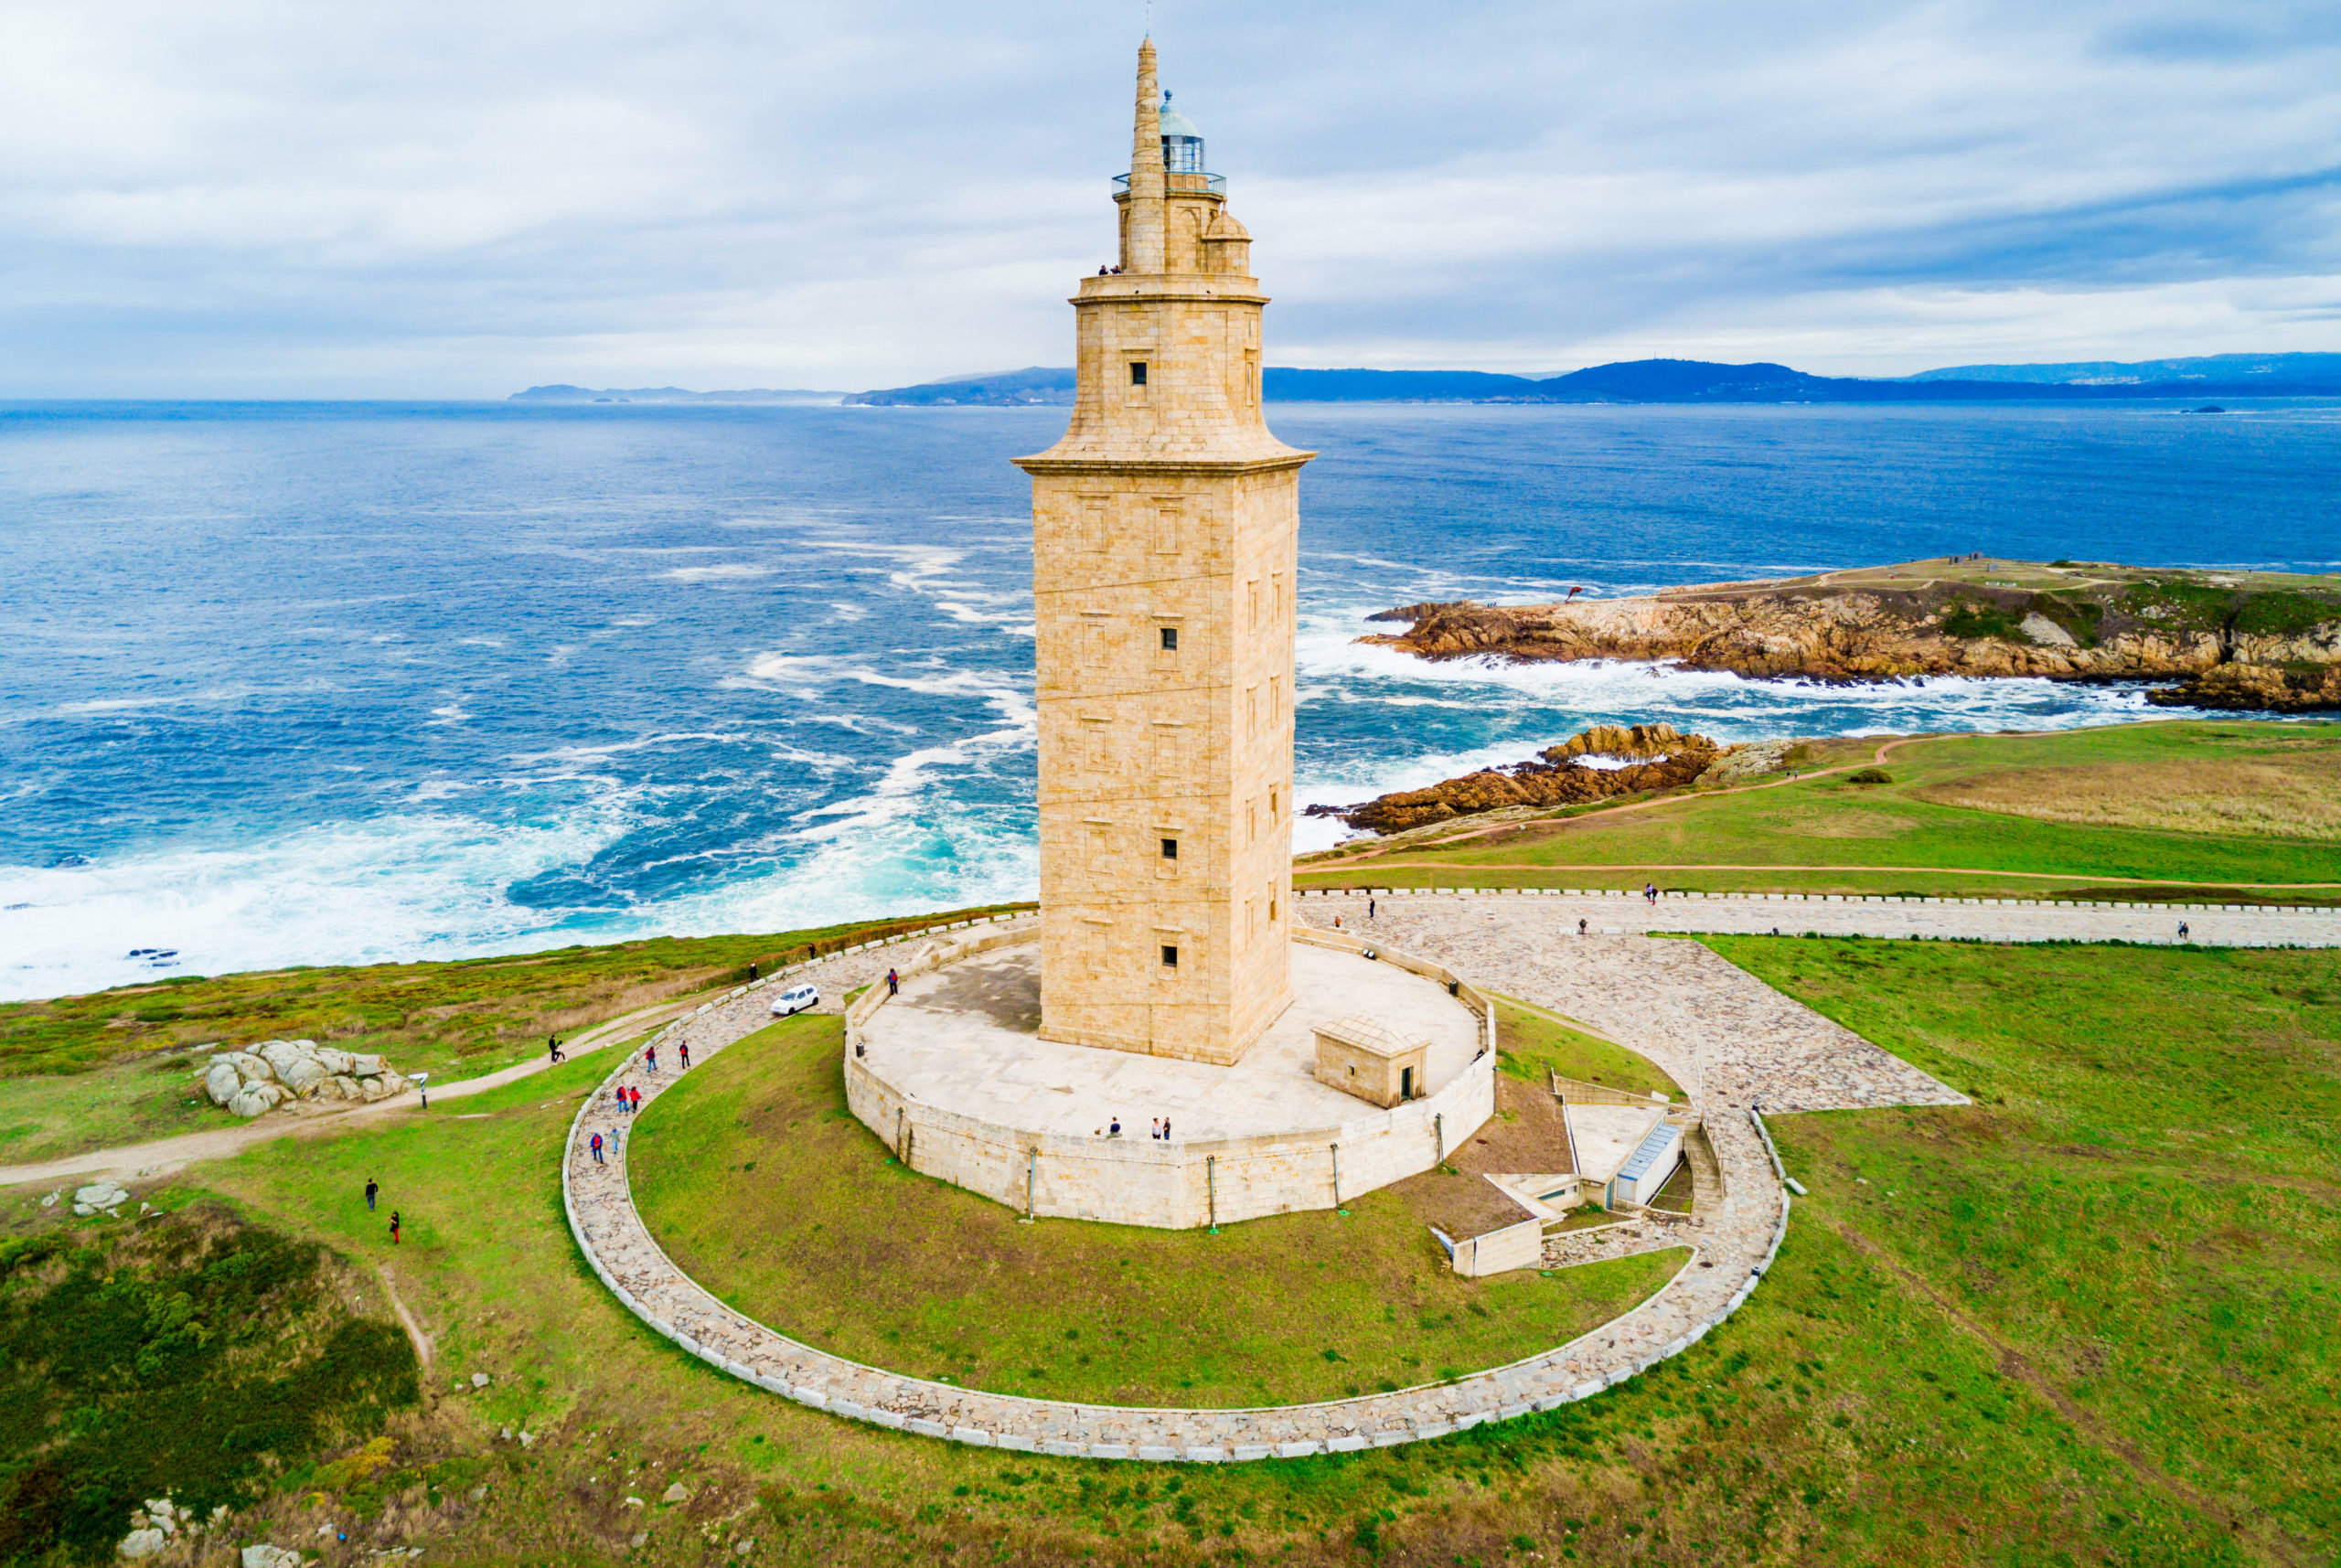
[[1360, 1057]]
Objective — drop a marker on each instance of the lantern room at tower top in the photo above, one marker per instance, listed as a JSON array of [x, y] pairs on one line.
[[1182, 156]]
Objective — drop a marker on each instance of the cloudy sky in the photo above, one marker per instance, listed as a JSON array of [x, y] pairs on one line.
[[266, 197]]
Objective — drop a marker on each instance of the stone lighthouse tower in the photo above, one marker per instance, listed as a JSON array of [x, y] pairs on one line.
[[1164, 530]]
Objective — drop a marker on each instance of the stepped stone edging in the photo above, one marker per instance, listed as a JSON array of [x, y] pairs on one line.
[[1730, 1248]]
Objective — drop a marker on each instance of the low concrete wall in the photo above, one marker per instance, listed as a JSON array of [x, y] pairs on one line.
[[1498, 1252], [1178, 1185]]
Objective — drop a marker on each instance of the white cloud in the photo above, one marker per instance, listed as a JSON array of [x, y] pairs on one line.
[[260, 196]]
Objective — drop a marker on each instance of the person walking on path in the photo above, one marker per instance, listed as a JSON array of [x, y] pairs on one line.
[[1154, 1129], [1580, 928], [650, 1059], [1650, 892], [394, 1227], [371, 1189], [893, 984], [2182, 930], [1166, 1129], [597, 1148], [1369, 906], [683, 1048], [634, 1099]]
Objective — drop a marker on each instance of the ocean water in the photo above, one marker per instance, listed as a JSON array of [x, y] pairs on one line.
[[288, 683]]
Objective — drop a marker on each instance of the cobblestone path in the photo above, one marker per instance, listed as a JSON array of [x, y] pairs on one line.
[[1725, 1037], [1793, 914]]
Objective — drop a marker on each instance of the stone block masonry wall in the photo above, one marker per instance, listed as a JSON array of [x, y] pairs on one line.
[[1178, 1185], [1706, 1022]]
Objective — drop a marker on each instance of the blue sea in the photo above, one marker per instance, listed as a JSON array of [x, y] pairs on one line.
[[322, 683]]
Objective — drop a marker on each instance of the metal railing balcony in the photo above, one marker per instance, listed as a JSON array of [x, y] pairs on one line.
[[1176, 181]]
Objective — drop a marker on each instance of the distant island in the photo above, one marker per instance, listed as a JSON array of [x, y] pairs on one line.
[[1697, 381], [2208, 638], [560, 392]]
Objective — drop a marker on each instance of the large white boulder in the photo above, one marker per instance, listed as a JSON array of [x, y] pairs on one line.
[[100, 1195], [338, 1062], [142, 1542], [302, 1074], [266, 1556], [222, 1082], [249, 1067], [257, 1099], [282, 1055], [366, 1063]]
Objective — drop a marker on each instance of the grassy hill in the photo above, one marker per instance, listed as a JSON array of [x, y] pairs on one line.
[[2087, 1318], [2189, 811]]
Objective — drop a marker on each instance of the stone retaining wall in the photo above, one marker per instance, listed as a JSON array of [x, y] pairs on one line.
[[1732, 1245], [1176, 1185]]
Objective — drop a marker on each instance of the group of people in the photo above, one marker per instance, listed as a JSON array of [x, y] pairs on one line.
[[373, 1191], [1159, 1127]]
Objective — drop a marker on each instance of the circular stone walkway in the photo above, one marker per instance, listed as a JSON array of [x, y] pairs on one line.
[[1726, 1038]]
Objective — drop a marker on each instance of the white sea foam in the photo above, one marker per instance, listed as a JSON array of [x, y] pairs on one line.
[[731, 571]]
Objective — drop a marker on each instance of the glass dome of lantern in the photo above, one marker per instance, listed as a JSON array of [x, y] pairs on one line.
[[1183, 145]]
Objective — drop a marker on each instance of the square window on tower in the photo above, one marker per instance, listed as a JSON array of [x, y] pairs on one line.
[[1169, 848], [1169, 639], [1170, 956], [1138, 372]]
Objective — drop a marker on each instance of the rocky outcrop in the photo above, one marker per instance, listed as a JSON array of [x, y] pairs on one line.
[[2092, 624], [1644, 757], [2259, 688], [257, 1079]]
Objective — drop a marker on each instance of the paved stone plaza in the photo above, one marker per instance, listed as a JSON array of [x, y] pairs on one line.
[[965, 1038], [1793, 914], [1723, 1036], [1728, 1038]]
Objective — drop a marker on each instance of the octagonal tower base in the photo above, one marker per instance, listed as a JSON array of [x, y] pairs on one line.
[[953, 1075]]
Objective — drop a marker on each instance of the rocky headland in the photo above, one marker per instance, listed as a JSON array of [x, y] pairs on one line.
[[1602, 763], [2232, 640]]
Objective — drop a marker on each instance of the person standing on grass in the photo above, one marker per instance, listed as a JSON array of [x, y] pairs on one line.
[[597, 1148], [394, 1227], [371, 1189]]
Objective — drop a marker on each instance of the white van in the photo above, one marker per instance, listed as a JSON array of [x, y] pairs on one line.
[[795, 999]]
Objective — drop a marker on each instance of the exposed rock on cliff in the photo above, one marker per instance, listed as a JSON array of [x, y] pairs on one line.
[[2064, 622], [1560, 776]]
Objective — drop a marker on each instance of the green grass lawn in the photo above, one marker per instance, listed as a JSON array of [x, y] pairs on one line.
[[2141, 1210], [115, 1067], [1857, 833], [756, 1178], [1532, 1043], [2143, 1201]]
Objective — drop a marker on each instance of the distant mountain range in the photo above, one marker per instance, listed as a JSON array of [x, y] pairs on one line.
[[563, 393], [1698, 382]]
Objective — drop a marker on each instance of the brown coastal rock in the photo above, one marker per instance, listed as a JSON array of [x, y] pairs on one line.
[[2064, 622], [1557, 777]]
